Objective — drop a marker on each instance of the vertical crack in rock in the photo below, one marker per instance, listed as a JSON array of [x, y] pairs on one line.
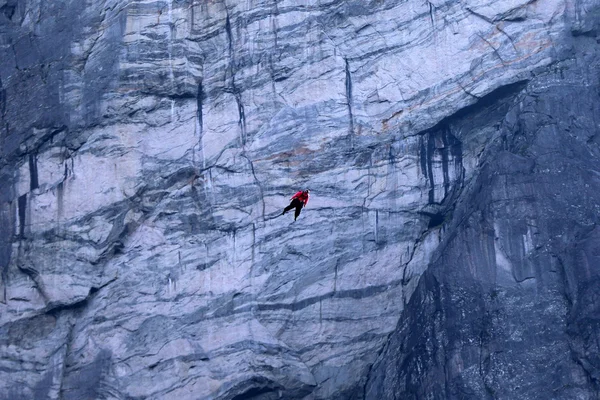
[[63, 367], [349, 101], [431, 13], [228, 32], [200, 121], [16, 57], [438, 148], [258, 184], [170, 44], [274, 26], [444, 152], [240, 106], [430, 150], [60, 189], [22, 208], [376, 226], [33, 172], [275, 75], [335, 276], [423, 157], [199, 100], [231, 69]]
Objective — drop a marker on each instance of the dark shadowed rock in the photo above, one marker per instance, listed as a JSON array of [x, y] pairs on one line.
[[506, 308]]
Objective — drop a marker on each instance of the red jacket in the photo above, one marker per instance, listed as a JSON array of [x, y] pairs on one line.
[[303, 197]]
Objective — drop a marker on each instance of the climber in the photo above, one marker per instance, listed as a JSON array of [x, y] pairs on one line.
[[299, 200]]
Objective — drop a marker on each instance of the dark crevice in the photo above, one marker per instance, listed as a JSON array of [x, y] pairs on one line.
[[350, 293], [254, 393], [8, 10], [481, 16], [435, 219], [22, 205], [430, 150], [485, 101], [274, 27], [349, 98], [56, 307], [242, 117], [255, 388], [376, 226], [444, 152], [33, 172], [258, 184], [240, 106], [431, 12], [335, 276], [233, 87], [49, 137], [187, 95], [200, 120], [60, 190], [199, 105], [439, 145], [423, 156], [228, 31]]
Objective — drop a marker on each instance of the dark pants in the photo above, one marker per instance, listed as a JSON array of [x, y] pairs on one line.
[[295, 203]]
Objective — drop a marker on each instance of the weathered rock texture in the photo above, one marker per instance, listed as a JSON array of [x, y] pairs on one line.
[[509, 307], [148, 147]]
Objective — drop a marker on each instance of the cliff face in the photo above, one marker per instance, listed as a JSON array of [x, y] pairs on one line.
[[509, 306], [449, 249]]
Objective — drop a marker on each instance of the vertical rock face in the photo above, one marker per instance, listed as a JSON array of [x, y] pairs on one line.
[[509, 308], [147, 149]]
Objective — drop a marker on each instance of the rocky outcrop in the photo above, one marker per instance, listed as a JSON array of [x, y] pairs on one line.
[[149, 147], [506, 308]]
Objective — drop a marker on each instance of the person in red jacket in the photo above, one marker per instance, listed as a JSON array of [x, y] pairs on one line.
[[299, 200]]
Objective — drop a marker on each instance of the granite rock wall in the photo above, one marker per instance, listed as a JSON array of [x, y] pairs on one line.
[[148, 147]]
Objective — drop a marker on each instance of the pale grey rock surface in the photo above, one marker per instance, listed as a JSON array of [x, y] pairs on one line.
[[148, 147]]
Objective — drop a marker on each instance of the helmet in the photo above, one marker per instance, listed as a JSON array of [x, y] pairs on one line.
[[306, 190]]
